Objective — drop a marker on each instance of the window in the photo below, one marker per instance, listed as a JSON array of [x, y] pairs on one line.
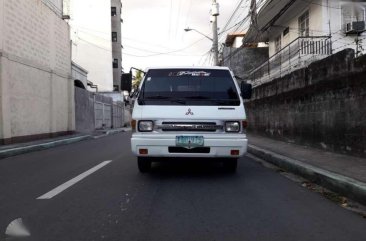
[[278, 44], [115, 63], [286, 31], [114, 11], [114, 36], [304, 24], [189, 86]]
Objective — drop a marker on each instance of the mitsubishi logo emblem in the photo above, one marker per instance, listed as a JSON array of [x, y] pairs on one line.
[[189, 112]]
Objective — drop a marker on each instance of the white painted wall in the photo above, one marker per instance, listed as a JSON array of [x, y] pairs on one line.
[[340, 40], [1, 24], [36, 91], [238, 41], [92, 44]]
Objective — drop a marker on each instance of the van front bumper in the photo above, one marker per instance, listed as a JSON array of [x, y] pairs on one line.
[[220, 145]]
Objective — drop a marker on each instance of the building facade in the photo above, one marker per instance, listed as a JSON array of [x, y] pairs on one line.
[[116, 13], [241, 59], [300, 32], [36, 89]]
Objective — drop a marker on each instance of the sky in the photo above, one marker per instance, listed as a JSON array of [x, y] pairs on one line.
[[153, 27]]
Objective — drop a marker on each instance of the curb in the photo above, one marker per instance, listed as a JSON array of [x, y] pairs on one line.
[[343, 185], [42, 146], [111, 132]]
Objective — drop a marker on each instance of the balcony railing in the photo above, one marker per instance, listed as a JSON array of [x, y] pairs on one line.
[[298, 54]]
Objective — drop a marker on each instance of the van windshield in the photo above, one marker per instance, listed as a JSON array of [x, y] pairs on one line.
[[188, 87]]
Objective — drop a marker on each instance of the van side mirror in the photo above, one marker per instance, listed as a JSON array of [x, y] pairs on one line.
[[246, 90], [126, 82], [134, 93]]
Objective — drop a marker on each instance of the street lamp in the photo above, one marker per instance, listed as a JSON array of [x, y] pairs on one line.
[[192, 29], [215, 46], [214, 14]]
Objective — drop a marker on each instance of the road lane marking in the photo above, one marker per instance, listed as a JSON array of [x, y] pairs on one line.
[[73, 181]]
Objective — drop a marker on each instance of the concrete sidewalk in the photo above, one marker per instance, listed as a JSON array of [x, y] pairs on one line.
[[21, 148], [340, 173]]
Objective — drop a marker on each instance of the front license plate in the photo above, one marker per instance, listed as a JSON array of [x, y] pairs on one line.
[[189, 141]]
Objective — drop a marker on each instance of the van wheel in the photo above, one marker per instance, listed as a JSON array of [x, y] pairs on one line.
[[230, 165], [144, 164]]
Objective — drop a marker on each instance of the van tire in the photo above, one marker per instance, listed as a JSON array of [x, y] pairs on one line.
[[230, 165], [144, 164]]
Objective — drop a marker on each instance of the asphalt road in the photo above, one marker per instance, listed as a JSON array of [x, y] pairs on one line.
[[176, 201]]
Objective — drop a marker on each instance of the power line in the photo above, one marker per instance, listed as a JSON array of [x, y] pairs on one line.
[[154, 52], [174, 51], [233, 14], [86, 41], [319, 4]]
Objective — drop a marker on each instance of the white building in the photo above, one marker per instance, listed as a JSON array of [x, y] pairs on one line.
[[90, 28], [234, 40], [300, 32], [36, 89]]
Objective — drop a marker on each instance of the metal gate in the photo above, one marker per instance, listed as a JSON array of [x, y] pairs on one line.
[[103, 115]]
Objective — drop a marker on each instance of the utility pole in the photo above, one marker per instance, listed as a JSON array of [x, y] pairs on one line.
[[215, 44]]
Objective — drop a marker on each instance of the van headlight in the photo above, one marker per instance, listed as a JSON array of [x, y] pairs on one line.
[[146, 126], [232, 126]]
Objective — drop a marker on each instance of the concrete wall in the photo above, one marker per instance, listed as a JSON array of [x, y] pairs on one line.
[[1, 25], [321, 106], [78, 73], [97, 111], [242, 60], [91, 36], [84, 111], [36, 88]]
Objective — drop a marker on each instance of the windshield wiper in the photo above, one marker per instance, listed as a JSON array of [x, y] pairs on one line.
[[157, 97], [183, 102], [198, 97], [226, 101], [167, 98]]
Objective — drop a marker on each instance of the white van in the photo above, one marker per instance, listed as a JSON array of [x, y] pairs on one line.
[[189, 112]]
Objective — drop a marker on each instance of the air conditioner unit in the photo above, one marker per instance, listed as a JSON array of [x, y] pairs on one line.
[[355, 27]]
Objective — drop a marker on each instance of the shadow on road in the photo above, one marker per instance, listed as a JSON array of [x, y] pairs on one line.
[[196, 168]]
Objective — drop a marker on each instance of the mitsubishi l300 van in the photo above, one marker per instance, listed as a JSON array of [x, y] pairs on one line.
[[189, 112]]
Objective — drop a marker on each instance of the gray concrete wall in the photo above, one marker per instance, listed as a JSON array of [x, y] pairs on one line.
[[96, 111], [321, 106], [84, 111], [242, 60], [118, 115]]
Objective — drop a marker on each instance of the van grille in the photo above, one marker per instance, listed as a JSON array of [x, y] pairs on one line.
[[190, 126]]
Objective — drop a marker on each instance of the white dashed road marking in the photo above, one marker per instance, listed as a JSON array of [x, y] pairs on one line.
[[73, 181]]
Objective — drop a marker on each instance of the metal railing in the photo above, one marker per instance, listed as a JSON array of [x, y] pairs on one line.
[[297, 54]]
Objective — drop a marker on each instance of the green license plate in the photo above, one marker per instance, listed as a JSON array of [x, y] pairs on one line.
[[189, 141]]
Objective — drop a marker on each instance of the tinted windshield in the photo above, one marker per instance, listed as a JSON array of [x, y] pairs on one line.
[[188, 86]]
